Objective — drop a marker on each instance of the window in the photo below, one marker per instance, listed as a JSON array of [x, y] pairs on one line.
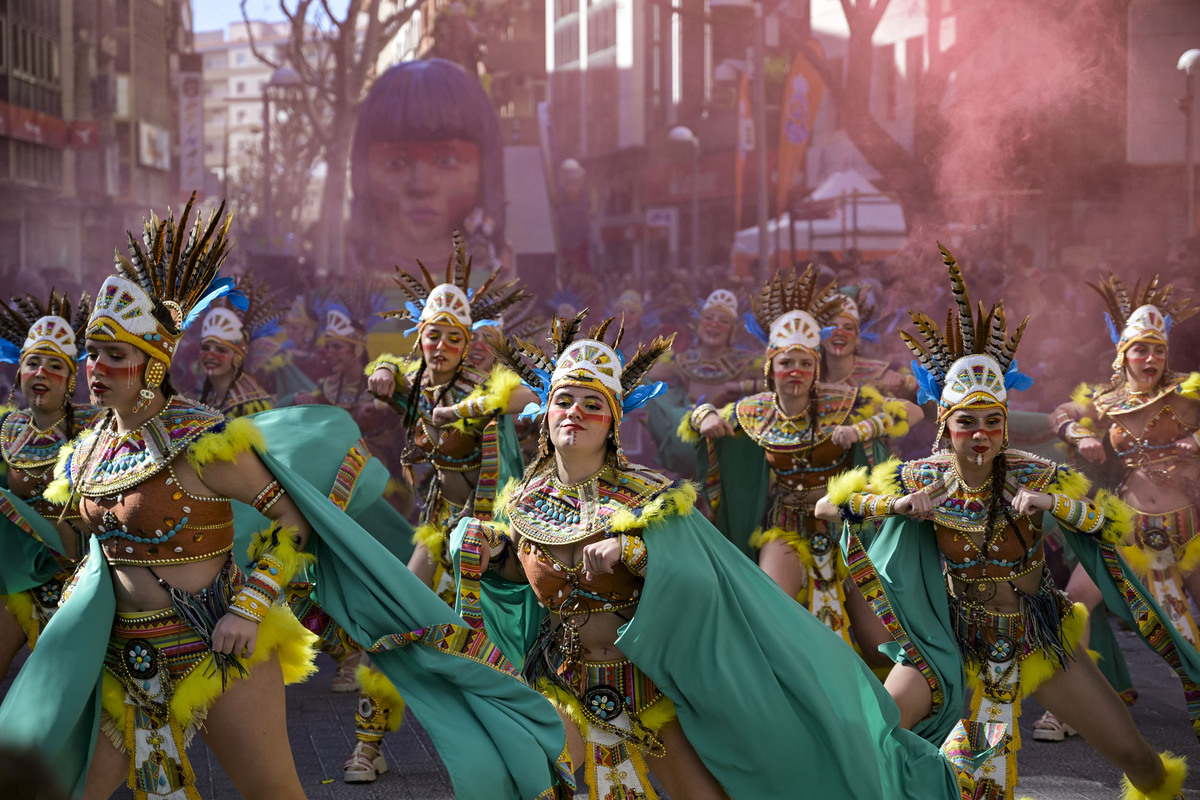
[[241, 116], [239, 87]]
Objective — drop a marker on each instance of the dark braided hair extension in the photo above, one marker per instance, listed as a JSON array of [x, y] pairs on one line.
[[414, 394], [997, 508], [69, 416]]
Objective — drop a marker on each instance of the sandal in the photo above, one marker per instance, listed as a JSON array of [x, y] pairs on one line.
[[345, 680], [365, 763], [1050, 729]]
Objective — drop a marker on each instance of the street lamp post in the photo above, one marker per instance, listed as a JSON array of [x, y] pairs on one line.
[[1186, 62], [683, 135], [283, 87]]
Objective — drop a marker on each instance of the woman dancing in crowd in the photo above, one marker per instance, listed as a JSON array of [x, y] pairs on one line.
[[45, 343], [840, 359], [630, 582], [1150, 418], [225, 339], [976, 508], [804, 431], [713, 370]]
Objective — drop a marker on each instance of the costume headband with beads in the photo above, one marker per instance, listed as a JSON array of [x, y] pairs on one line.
[[792, 313], [1144, 315], [973, 362], [588, 362], [721, 299], [238, 329], [28, 327], [452, 302]]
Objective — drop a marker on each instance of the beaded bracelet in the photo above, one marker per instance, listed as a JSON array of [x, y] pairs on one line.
[[872, 505], [633, 553], [699, 413], [389, 366], [258, 593], [471, 408], [869, 428], [268, 497], [1079, 514], [1075, 432]]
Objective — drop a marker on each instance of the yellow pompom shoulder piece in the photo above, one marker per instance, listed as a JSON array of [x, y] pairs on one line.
[[885, 478], [1191, 557], [238, 436], [1069, 482], [871, 401], [686, 433], [1171, 786], [374, 684], [673, 502], [500, 386], [843, 486], [1190, 388], [280, 543], [404, 365], [1118, 517], [431, 537], [1083, 394]]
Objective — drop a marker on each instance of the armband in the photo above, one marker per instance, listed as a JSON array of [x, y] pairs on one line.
[[862, 505], [268, 497], [1079, 514], [633, 554], [389, 366], [700, 412], [471, 408], [869, 429], [277, 560]]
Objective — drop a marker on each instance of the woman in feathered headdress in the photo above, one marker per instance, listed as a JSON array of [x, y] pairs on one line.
[[840, 359], [957, 570], [662, 646], [449, 411], [45, 341], [162, 633], [226, 336], [804, 431], [713, 369], [1150, 418]]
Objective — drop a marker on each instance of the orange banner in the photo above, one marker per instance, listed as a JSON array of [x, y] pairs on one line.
[[802, 94]]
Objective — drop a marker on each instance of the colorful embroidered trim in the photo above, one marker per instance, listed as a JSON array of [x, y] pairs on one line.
[[348, 474], [268, 497]]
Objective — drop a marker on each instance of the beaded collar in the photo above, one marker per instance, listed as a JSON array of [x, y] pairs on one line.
[[726, 367], [552, 513], [961, 507], [1123, 401], [25, 446], [105, 463], [468, 378], [761, 419]]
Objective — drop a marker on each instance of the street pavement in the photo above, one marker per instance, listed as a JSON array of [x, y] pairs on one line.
[[321, 730]]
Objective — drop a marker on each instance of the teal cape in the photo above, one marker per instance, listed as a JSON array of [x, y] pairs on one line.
[[497, 737], [902, 555], [770, 698], [26, 541]]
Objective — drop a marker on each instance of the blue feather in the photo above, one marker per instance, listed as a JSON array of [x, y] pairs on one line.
[[639, 396], [221, 287], [928, 387], [1168, 322], [1016, 380], [484, 323], [1112, 329], [9, 352], [267, 329], [865, 333], [532, 411], [754, 329], [827, 331]]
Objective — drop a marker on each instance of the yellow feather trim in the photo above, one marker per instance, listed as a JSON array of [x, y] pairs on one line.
[[112, 699], [280, 543], [793, 539], [686, 433], [1083, 394], [1071, 483], [1088, 423], [1138, 560], [729, 412], [1171, 787], [505, 494], [1191, 556], [898, 430], [1118, 517], [1190, 388], [374, 684], [6, 409], [59, 489], [671, 503], [20, 605], [884, 480], [279, 632], [1037, 668], [495, 392], [872, 402], [402, 364], [658, 713], [239, 436], [431, 537], [1095, 656], [653, 716], [845, 484]]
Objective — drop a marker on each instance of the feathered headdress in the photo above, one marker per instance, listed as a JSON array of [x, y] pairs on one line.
[[27, 327], [858, 305], [792, 312], [973, 362], [164, 285], [1145, 315], [350, 315], [586, 362], [452, 302], [238, 329]]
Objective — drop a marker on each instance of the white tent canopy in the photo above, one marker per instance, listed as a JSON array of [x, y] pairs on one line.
[[853, 214]]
